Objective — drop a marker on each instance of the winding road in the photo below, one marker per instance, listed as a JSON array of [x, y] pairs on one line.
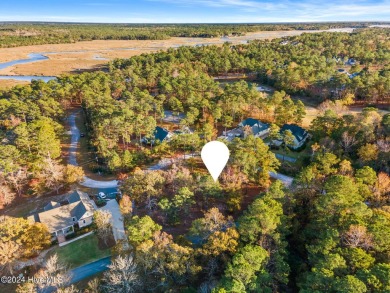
[[101, 265], [72, 159], [103, 186]]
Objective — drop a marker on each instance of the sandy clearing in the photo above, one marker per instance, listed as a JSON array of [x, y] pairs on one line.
[[53, 67], [8, 83], [311, 114]]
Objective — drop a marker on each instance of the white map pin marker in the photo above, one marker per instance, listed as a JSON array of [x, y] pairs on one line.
[[215, 155]]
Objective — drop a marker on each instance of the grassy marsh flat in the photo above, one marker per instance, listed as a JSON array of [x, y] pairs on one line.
[[90, 55]]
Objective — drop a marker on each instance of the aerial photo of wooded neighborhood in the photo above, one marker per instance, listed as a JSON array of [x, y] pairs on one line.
[[102, 183]]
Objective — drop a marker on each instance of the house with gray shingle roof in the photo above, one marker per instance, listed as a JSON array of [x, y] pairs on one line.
[[258, 128], [61, 217]]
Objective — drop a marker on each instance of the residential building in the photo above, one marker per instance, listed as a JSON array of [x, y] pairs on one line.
[[300, 135], [160, 134], [61, 217], [258, 128]]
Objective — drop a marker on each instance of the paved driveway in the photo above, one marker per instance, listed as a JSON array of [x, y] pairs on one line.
[[118, 227], [287, 180], [88, 182]]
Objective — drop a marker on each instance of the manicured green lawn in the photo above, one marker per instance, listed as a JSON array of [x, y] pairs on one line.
[[81, 251]]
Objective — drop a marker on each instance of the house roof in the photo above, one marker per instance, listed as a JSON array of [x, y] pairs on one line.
[[51, 205], [256, 125], [299, 133], [73, 197], [160, 133], [249, 121], [259, 127], [60, 217]]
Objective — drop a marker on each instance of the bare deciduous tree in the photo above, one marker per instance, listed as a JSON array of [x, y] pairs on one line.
[[247, 130], [26, 287], [6, 195], [337, 106], [9, 252], [233, 178], [17, 180], [122, 276], [93, 286], [213, 221], [383, 145], [70, 289], [53, 174], [55, 273], [357, 236], [102, 219], [348, 140]]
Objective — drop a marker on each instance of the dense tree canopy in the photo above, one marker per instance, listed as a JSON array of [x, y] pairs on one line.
[[328, 233]]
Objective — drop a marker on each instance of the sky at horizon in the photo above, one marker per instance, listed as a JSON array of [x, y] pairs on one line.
[[195, 11]]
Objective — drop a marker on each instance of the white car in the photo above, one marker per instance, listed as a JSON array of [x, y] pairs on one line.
[[102, 195]]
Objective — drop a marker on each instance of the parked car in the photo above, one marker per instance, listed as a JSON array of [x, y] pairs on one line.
[[82, 134], [102, 195]]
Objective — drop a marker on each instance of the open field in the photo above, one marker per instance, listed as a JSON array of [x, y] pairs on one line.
[[312, 113], [65, 58]]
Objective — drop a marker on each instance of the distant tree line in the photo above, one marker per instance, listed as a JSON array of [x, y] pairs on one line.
[[25, 34]]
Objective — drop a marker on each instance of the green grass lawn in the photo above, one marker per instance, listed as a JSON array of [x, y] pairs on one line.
[[81, 251], [291, 154]]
